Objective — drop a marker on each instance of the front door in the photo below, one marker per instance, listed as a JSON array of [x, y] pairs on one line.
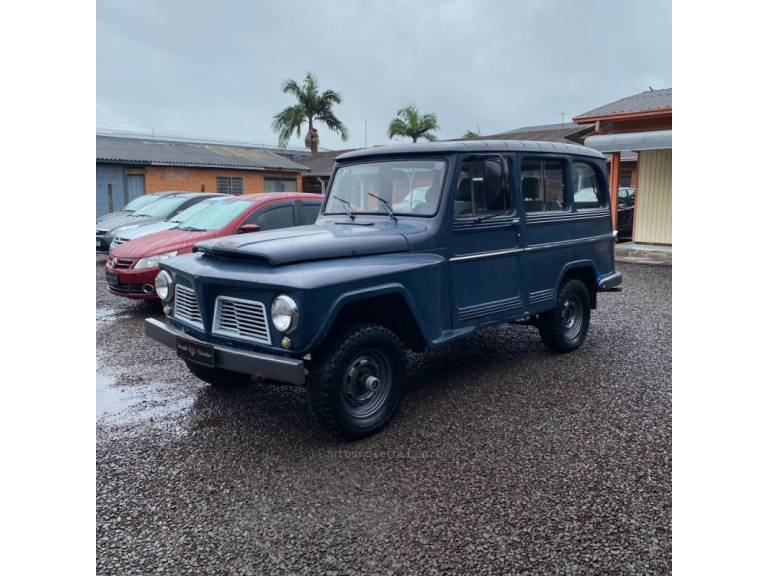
[[485, 243]]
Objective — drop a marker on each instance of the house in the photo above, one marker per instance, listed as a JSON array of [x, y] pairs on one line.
[[565, 133], [320, 167], [127, 167], [639, 125]]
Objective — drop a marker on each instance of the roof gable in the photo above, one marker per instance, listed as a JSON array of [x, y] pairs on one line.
[[645, 102]]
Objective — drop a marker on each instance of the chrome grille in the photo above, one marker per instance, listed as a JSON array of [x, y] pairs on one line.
[[122, 263], [245, 319], [185, 306]]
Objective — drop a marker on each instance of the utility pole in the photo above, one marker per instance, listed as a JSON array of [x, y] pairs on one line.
[[365, 123], [562, 119]]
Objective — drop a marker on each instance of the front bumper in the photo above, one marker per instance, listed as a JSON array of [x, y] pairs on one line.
[[131, 283], [288, 370]]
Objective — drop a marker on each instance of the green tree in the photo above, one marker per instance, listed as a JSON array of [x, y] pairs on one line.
[[471, 135], [409, 122], [313, 106]]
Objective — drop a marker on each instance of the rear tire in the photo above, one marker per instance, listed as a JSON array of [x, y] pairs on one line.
[[355, 381], [564, 328], [217, 377]]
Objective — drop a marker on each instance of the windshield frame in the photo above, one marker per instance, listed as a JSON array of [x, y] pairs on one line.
[[387, 159]]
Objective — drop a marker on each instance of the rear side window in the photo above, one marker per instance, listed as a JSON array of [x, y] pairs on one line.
[[543, 184], [273, 218], [310, 212], [586, 187], [481, 189]]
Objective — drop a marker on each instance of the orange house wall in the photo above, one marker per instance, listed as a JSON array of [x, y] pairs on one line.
[[160, 178]]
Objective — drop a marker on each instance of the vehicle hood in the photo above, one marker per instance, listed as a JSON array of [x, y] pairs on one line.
[[145, 230], [126, 220], [321, 241], [110, 215], [160, 242]]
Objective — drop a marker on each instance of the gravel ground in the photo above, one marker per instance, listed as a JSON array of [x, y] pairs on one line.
[[504, 458]]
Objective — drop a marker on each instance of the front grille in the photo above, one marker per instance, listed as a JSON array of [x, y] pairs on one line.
[[185, 306], [101, 232], [122, 263], [245, 319]]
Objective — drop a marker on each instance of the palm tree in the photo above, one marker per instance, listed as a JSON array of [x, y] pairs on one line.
[[313, 107], [409, 122], [471, 135]]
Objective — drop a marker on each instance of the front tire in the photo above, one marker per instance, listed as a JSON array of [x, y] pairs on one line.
[[355, 382], [564, 328], [217, 377]]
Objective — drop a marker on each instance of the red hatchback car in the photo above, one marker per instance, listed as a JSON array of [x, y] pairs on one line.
[[131, 267]]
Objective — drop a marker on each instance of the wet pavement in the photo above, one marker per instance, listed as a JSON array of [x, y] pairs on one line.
[[504, 458]]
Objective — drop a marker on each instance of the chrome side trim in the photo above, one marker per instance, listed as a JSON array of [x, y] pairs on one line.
[[487, 308], [567, 243], [481, 255]]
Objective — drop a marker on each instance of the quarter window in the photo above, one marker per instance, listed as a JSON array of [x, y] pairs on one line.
[[543, 183], [481, 190], [309, 212], [586, 187], [229, 185]]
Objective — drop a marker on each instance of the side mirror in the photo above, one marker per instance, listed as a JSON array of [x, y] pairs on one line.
[[247, 228]]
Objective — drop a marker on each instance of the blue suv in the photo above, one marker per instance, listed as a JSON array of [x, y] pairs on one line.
[[415, 246]]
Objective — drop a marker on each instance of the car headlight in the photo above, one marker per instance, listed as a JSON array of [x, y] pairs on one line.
[[152, 261], [285, 314], [164, 286]]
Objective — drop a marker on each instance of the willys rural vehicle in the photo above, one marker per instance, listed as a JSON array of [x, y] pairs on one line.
[[497, 236]]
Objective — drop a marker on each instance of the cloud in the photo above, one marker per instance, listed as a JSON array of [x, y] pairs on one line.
[[214, 69]]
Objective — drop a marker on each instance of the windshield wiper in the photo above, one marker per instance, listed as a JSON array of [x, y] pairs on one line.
[[387, 205], [481, 218], [191, 229], [347, 206]]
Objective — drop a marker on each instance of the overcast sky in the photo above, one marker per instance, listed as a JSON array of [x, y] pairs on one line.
[[214, 69]]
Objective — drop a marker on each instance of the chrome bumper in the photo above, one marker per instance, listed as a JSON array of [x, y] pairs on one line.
[[610, 283], [278, 368]]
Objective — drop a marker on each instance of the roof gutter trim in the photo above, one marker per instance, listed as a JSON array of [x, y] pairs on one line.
[[634, 141]]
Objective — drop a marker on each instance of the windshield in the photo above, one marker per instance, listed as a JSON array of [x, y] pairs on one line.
[[411, 187], [216, 216], [140, 202], [163, 207], [194, 209]]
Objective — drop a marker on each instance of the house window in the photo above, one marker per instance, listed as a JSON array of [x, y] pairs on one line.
[[229, 185], [279, 185], [543, 184]]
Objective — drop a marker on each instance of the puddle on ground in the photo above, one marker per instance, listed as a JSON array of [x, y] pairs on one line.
[[141, 404]]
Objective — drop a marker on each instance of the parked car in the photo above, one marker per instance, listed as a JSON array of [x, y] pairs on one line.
[[498, 238], [625, 213], [133, 205], [131, 267], [131, 232], [156, 211]]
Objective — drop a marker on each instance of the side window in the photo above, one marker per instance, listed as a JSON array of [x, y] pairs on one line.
[[273, 218], [543, 184], [586, 187], [481, 190], [310, 212]]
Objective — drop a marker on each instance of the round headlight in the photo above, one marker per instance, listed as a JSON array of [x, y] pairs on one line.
[[285, 314], [164, 286]]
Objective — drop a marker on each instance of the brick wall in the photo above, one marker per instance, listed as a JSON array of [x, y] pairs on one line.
[[160, 178]]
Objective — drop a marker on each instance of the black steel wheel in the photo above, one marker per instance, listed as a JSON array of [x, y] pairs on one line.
[[564, 328], [355, 380]]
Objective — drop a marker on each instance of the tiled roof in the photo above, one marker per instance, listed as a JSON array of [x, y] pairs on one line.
[[565, 133], [322, 164], [644, 102], [178, 153]]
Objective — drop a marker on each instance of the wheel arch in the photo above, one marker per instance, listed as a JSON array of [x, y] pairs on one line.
[[389, 305], [584, 270]]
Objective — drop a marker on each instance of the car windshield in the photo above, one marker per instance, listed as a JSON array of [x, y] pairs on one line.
[[216, 215], [140, 202], [411, 187], [163, 207], [194, 209]]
